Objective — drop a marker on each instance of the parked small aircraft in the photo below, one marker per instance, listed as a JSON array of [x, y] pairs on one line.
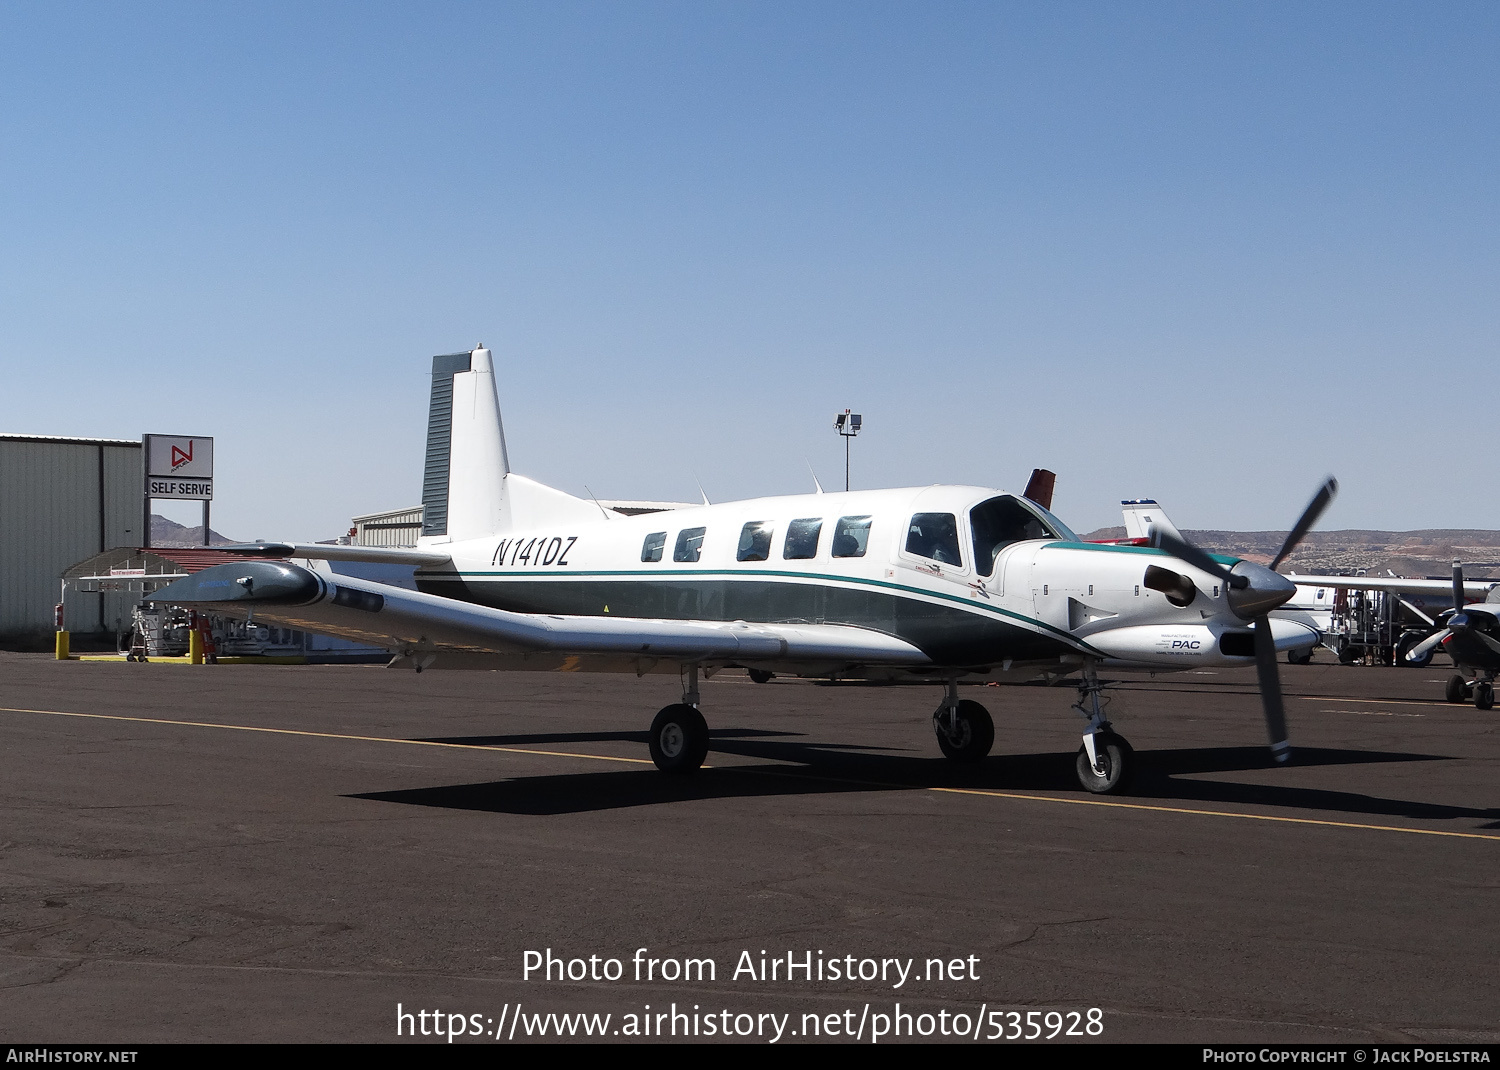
[[1469, 632], [947, 584]]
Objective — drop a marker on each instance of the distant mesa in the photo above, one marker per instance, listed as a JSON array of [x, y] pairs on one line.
[[166, 532]]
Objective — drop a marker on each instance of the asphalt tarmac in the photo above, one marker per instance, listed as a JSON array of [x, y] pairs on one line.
[[280, 853]]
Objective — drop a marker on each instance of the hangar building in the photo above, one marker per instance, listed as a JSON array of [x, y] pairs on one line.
[[62, 500]]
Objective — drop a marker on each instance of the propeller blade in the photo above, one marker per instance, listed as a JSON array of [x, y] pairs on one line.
[[1416, 652], [1186, 551], [1487, 641], [1270, 689], [1458, 587], [1308, 518]]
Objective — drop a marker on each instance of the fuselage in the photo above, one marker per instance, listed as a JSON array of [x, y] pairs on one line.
[[974, 577]]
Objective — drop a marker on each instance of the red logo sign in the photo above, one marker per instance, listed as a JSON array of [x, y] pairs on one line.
[[180, 457]]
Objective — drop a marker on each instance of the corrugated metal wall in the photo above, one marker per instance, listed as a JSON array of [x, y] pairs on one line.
[[399, 527], [60, 502]]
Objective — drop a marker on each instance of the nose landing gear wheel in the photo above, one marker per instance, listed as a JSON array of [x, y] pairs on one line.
[[973, 732], [1457, 690], [1117, 760], [679, 739], [1484, 696]]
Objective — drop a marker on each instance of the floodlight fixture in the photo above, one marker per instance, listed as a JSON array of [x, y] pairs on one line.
[[847, 424]]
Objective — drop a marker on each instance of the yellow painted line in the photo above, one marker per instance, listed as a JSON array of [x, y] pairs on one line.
[[771, 772], [331, 735], [1378, 701], [1221, 813]]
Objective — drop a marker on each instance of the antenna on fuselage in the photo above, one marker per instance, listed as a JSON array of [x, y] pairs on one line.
[[596, 502], [814, 475], [701, 492]]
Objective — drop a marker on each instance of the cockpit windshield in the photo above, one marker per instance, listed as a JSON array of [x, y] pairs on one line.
[[998, 522]]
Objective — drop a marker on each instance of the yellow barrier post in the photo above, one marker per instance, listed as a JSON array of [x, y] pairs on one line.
[[62, 645], [195, 646]]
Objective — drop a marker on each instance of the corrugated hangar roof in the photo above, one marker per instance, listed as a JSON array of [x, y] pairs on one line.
[[17, 437]]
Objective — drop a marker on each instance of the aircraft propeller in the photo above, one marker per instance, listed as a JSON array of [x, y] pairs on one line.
[[1253, 591], [1459, 622]]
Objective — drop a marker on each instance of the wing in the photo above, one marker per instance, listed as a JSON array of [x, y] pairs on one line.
[[420, 625], [1472, 588], [322, 551]]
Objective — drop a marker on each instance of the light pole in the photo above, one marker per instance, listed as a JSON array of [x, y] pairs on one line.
[[847, 424]]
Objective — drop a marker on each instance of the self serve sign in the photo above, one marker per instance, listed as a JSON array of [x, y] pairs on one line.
[[179, 466]]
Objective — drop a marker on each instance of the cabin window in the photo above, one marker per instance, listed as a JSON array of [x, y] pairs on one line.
[[802, 539], [851, 537], [755, 541], [934, 536], [689, 544], [651, 549], [996, 524]]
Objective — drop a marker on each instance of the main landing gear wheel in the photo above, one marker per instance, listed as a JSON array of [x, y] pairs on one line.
[[1458, 690], [1484, 696], [972, 735], [679, 739], [760, 676], [1117, 762]]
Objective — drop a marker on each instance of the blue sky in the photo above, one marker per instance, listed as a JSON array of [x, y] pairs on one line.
[[1207, 253]]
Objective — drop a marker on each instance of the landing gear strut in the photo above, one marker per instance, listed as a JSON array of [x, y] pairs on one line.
[[1105, 761], [1481, 689], [679, 734], [964, 730]]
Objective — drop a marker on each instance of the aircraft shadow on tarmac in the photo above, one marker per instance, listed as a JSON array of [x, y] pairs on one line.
[[1164, 776]]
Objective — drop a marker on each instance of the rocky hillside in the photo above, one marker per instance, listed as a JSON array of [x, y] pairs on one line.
[[166, 532]]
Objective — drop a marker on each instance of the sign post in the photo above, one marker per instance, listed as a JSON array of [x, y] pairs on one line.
[[177, 466]]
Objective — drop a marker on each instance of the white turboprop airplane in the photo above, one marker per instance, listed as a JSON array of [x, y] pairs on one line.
[[940, 583]]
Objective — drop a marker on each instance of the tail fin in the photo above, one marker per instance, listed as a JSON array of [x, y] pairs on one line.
[[1039, 487], [468, 490], [1144, 514]]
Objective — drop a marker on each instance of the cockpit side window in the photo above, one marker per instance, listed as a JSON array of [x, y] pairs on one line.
[[651, 549], [996, 524], [934, 536]]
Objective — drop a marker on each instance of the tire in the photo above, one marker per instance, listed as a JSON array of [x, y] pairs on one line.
[[1457, 690], [1119, 765], [1484, 696], [973, 736], [679, 739], [1405, 643], [1347, 654], [1299, 657], [761, 676]]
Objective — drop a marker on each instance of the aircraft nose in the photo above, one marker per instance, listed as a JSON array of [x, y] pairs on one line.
[[1263, 592], [244, 582]]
